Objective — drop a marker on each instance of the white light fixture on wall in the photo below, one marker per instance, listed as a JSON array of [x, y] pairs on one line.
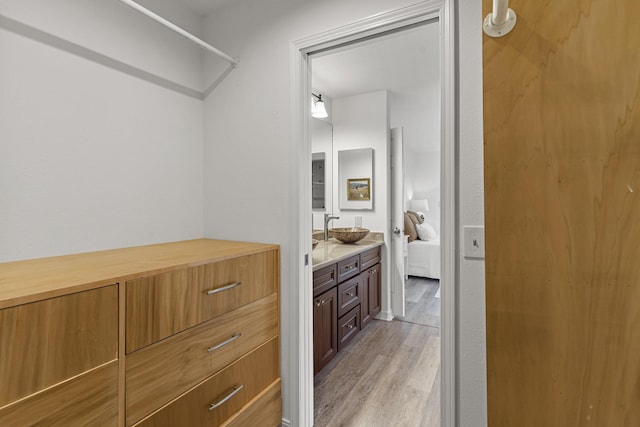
[[420, 205], [318, 109]]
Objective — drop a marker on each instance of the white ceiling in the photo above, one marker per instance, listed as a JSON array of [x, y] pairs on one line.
[[204, 7], [406, 64], [401, 62]]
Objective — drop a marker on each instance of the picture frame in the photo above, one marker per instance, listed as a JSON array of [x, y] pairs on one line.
[[359, 189]]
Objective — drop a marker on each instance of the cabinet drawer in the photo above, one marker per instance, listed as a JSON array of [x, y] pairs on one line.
[[348, 295], [90, 399], [253, 373], [265, 410], [348, 327], [46, 342], [324, 279], [348, 268], [162, 305], [369, 258], [152, 374]]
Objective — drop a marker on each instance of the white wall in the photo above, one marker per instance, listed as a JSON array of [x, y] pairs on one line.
[[471, 299], [90, 157], [422, 181], [362, 121], [247, 133]]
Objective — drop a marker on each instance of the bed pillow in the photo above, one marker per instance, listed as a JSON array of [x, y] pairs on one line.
[[410, 228], [419, 217], [426, 231]]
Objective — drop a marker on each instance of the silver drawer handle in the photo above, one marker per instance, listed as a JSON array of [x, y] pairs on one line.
[[349, 294], [224, 288], [225, 342], [235, 390], [350, 326]]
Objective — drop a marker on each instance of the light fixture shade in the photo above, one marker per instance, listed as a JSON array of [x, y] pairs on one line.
[[420, 205], [319, 111]]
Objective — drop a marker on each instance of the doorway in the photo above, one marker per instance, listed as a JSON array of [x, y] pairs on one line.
[[301, 88], [383, 94]]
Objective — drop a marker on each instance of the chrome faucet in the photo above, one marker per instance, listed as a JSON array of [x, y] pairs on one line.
[[327, 218]]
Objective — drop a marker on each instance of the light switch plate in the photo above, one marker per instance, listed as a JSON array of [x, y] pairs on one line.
[[358, 221], [474, 242]]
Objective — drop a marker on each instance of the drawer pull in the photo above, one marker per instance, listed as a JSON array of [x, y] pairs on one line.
[[350, 326], [225, 342], [223, 288], [235, 390], [349, 294]]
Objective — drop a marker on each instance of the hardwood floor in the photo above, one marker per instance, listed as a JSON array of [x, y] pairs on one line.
[[421, 305], [388, 376]]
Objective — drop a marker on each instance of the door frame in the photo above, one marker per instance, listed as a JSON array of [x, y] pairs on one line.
[[298, 323]]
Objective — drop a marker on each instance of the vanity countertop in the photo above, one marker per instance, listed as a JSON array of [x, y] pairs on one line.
[[332, 250]]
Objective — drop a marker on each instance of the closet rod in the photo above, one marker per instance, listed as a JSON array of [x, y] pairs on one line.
[[173, 27]]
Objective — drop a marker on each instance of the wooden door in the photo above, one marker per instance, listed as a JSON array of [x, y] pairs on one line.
[[562, 209]]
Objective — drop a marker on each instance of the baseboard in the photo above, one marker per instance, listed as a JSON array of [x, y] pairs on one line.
[[285, 423], [385, 315]]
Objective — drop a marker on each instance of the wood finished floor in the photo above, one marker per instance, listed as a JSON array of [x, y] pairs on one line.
[[389, 375], [421, 306]]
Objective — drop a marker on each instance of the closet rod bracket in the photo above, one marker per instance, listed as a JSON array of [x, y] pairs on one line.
[[501, 21]]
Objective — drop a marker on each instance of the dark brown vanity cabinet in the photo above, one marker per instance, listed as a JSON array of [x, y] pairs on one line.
[[346, 296]]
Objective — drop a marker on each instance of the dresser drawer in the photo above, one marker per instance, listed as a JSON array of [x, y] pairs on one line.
[[369, 258], [90, 399], [164, 370], [162, 305], [324, 279], [348, 295], [46, 342], [348, 327], [348, 268], [264, 410], [230, 389]]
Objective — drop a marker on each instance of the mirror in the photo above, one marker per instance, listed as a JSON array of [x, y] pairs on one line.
[[322, 170], [318, 193], [355, 177]]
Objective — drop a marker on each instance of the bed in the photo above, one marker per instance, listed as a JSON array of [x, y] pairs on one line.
[[423, 250], [423, 258]]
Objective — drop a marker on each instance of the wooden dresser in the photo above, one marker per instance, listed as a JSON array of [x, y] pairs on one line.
[[177, 334]]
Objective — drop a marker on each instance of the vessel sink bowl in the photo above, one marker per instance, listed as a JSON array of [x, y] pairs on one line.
[[349, 234]]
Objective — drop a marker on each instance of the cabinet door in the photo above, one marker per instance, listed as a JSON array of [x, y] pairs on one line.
[[325, 329], [374, 290], [370, 306]]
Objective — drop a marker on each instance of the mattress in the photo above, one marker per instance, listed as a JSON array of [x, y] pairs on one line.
[[423, 258]]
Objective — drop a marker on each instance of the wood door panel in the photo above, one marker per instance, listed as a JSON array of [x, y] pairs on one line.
[[561, 134], [60, 406], [46, 342], [255, 372], [152, 377], [161, 305]]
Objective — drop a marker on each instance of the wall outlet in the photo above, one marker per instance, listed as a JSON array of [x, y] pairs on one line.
[[474, 242], [358, 221]]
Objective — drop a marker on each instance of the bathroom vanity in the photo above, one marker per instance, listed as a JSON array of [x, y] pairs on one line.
[[183, 333], [346, 294]]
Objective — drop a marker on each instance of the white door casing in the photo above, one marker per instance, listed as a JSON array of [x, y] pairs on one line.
[[299, 314]]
